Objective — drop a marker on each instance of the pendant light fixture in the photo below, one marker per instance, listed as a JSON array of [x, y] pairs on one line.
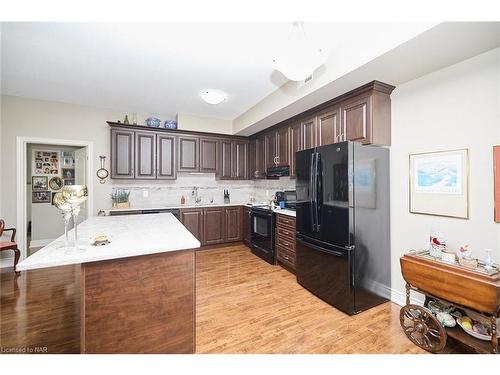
[[298, 57]]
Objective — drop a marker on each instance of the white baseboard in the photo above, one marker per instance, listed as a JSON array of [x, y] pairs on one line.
[[7, 262], [399, 297], [396, 296], [40, 243]]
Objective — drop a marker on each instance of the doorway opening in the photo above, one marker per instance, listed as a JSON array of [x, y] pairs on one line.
[[45, 166]]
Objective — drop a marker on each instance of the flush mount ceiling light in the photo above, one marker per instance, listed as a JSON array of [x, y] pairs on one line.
[[213, 96], [299, 58]]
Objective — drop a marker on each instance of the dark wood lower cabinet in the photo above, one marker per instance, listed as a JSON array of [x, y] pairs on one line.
[[246, 225], [214, 225], [192, 219], [233, 224], [285, 241]]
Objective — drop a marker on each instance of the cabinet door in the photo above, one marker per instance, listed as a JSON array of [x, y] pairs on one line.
[[233, 224], [239, 161], [226, 158], [271, 154], [122, 153], [356, 119], [294, 145], [308, 127], [189, 158], [282, 143], [245, 224], [166, 155], [260, 157], [145, 155], [192, 219], [213, 225], [328, 127], [252, 161], [209, 155]]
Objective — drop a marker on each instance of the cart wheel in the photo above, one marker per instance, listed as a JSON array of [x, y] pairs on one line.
[[422, 328]]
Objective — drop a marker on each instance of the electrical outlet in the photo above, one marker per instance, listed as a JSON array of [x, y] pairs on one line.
[[145, 193]]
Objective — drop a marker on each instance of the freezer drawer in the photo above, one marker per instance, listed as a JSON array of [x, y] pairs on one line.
[[327, 273]]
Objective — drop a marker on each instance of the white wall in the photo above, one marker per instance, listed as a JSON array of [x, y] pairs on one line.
[[188, 121], [456, 107]]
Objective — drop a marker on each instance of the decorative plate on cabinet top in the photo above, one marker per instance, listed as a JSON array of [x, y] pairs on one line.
[[153, 122]]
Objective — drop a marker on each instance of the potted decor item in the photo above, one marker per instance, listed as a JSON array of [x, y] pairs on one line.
[[120, 199], [153, 122]]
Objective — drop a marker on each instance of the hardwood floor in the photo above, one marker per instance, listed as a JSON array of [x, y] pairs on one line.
[[244, 305]]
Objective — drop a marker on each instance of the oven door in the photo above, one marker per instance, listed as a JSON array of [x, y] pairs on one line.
[[262, 235]]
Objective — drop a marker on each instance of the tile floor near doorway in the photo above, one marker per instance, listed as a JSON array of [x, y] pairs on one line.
[[244, 305]]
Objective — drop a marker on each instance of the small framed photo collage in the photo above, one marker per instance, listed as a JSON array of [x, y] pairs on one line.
[[51, 171]]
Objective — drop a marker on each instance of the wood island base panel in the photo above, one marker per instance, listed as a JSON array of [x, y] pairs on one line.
[[143, 304]]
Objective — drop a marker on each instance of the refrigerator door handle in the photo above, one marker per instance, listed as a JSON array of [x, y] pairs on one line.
[[311, 194], [319, 248], [319, 191]]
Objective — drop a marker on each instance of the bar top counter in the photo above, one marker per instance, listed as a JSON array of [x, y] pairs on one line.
[[129, 236]]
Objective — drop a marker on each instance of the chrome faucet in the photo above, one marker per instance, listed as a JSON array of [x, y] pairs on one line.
[[194, 194]]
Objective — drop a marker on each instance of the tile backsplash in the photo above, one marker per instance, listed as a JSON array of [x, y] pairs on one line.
[[168, 193]]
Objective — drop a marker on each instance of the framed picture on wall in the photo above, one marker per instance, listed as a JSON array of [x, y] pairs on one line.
[[39, 183], [439, 183], [40, 197], [55, 183], [68, 173], [45, 162], [496, 182]]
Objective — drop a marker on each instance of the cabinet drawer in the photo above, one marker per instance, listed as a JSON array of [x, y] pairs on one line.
[[285, 232], [286, 243], [286, 257], [286, 220]]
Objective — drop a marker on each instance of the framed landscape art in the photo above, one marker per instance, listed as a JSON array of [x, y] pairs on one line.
[[439, 183]]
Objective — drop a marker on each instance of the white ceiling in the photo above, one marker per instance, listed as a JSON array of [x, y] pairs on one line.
[[160, 68]]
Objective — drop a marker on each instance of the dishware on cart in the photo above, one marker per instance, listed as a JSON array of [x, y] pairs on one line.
[[476, 329]]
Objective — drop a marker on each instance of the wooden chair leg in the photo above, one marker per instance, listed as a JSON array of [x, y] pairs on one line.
[[17, 255]]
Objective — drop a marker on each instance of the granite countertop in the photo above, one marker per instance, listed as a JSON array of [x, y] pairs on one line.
[[129, 236], [276, 210]]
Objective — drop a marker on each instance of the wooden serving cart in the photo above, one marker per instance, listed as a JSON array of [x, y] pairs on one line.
[[464, 288]]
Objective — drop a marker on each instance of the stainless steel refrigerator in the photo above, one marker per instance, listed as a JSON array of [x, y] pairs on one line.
[[343, 224]]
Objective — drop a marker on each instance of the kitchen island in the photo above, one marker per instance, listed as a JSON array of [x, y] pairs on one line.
[[138, 292]]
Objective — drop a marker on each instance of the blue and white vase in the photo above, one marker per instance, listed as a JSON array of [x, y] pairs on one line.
[[153, 122], [170, 124]]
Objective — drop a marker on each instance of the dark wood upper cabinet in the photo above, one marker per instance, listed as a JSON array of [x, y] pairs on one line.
[[192, 219], [240, 160], [166, 157], [356, 119], [189, 156], [234, 160], [145, 155], [213, 225], [233, 224], [295, 145], [271, 154], [209, 155], [308, 129], [252, 159], [283, 146], [329, 127], [226, 159], [260, 157], [122, 153]]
